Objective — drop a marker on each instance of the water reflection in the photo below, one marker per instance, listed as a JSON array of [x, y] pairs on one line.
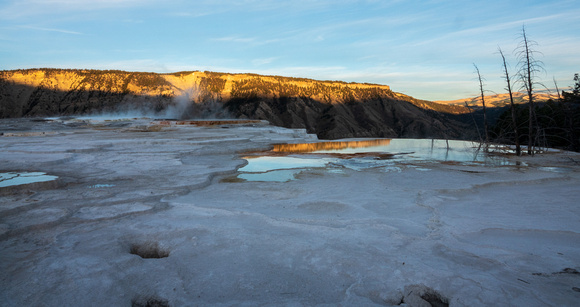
[[327, 146], [415, 149], [385, 154]]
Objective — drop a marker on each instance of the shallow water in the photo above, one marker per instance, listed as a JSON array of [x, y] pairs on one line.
[[404, 149], [101, 185], [271, 176], [266, 163], [561, 170], [14, 178], [359, 155]]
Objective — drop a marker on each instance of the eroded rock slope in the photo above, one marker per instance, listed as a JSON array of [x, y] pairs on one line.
[[331, 109]]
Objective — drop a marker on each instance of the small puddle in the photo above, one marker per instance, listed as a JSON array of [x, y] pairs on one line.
[[14, 178], [554, 169], [100, 186], [285, 161], [262, 164], [277, 168], [272, 176]]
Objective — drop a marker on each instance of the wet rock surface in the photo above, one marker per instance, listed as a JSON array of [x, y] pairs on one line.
[[146, 217]]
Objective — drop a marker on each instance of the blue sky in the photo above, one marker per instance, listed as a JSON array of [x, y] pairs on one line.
[[425, 49]]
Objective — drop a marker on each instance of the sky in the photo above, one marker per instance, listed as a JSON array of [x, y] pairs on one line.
[[426, 49]]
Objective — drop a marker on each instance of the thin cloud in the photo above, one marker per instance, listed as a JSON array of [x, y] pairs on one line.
[[313, 72], [511, 24], [16, 9], [189, 14], [83, 4], [267, 5], [264, 61], [148, 65], [50, 30], [245, 40], [478, 31], [234, 39]]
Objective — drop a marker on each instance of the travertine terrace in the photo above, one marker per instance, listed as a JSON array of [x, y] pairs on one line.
[[143, 213]]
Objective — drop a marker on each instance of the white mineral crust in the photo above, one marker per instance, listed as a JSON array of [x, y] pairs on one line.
[[474, 235]]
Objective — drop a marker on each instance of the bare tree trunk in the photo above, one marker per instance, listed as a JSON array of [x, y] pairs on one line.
[[557, 89], [485, 126], [512, 105], [528, 84], [474, 121], [528, 67]]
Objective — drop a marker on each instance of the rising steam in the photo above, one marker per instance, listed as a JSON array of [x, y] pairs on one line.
[[181, 105], [192, 103]]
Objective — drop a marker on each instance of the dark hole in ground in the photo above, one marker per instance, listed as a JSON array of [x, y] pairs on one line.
[[149, 302], [421, 295], [149, 250], [435, 299]]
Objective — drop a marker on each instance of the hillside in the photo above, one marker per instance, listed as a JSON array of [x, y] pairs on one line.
[[496, 100], [331, 109]]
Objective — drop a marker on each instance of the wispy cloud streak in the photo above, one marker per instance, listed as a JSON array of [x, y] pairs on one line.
[[50, 30]]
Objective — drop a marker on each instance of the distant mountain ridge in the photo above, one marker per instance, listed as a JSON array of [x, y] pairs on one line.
[[496, 100], [331, 109]]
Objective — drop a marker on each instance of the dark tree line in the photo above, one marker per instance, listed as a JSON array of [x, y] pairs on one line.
[[553, 123], [557, 122]]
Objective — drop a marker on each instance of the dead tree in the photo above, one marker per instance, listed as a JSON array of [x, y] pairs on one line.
[[512, 105], [528, 68], [485, 126], [557, 89]]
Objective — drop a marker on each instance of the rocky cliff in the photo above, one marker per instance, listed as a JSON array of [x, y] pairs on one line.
[[331, 109]]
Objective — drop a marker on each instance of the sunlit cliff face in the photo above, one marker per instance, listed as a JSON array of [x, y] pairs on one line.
[[313, 147]]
